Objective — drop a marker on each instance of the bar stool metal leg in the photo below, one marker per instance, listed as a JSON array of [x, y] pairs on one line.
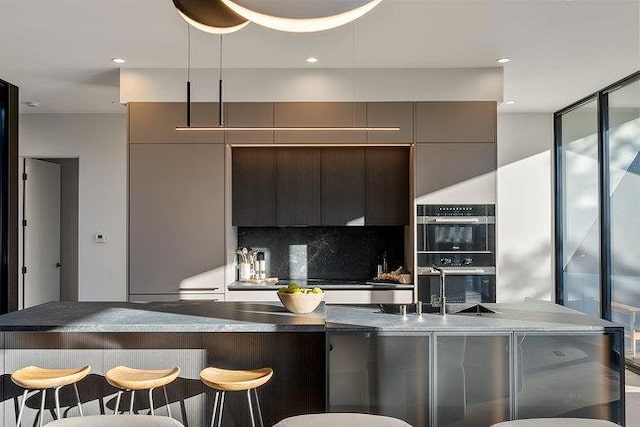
[[221, 408], [133, 395], [115, 411], [215, 408], [24, 400], [166, 400], [151, 400], [44, 394], [255, 392], [75, 387], [253, 421], [56, 393]]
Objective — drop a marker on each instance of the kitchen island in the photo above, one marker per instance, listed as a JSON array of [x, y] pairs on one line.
[[526, 360]]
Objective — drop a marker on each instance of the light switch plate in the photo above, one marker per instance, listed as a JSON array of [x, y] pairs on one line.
[[100, 238]]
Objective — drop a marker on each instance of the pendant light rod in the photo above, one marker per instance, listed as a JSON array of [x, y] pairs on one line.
[[220, 105], [188, 75]]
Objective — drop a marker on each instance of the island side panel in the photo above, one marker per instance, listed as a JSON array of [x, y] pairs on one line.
[[578, 375]]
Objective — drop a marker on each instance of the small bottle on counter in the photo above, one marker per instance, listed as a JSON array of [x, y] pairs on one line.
[[244, 273], [379, 268], [262, 266], [385, 263]]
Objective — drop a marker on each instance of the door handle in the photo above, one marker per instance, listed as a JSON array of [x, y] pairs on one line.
[[58, 265]]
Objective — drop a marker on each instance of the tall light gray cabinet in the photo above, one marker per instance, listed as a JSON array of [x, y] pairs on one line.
[[176, 213], [455, 152]]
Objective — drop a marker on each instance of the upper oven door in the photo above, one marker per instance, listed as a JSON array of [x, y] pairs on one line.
[[455, 234]]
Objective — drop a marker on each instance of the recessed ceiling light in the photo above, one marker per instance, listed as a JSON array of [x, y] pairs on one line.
[[510, 102], [118, 60], [32, 104], [312, 60], [503, 60]]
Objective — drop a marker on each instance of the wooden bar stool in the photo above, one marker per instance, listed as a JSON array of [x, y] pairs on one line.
[[129, 379], [223, 380], [33, 378]]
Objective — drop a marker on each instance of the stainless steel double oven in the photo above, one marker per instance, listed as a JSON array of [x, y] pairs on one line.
[[460, 239]]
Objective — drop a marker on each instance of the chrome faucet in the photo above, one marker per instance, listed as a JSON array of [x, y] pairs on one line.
[[443, 298]]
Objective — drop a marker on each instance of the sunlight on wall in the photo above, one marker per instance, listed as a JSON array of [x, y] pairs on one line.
[[524, 208], [524, 261]]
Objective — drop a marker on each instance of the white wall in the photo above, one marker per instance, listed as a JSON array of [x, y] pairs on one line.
[[316, 84], [99, 140], [524, 207]]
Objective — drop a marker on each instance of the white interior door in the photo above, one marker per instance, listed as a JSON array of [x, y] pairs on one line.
[[42, 233]]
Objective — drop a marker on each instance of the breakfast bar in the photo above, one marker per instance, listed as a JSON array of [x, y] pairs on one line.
[[522, 361]]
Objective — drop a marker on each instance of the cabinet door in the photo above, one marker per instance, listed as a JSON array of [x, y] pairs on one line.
[[454, 173], [390, 114], [387, 186], [298, 183], [176, 218], [249, 114], [254, 186], [456, 121], [155, 122], [342, 186], [320, 114]]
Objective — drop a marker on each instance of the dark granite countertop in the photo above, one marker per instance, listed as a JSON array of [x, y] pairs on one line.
[[206, 316], [509, 317], [184, 316]]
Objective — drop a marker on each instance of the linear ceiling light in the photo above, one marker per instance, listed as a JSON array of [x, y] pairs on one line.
[[210, 16], [286, 128], [294, 16]]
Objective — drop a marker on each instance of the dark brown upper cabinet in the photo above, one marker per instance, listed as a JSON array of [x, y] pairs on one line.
[[387, 186], [249, 114], [253, 186], [291, 186], [298, 186], [456, 121], [320, 114], [390, 114], [342, 184], [155, 122]]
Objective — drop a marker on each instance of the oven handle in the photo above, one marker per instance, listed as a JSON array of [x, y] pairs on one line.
[[456, 220]]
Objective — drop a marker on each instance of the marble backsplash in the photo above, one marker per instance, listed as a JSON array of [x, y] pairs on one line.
[[338, 253]]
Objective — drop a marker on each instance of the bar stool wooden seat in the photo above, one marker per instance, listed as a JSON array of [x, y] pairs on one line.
[[130, 379], [34, 378], [223, 380]]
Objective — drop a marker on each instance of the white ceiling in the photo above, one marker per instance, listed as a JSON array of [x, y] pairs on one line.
[[59, 51]]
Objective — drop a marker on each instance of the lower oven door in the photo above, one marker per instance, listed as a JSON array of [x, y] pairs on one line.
[[467, 288]]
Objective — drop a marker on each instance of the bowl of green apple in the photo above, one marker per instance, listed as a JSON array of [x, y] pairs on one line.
[[300, 300]]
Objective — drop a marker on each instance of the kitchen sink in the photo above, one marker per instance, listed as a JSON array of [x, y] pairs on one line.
[[475, 309]]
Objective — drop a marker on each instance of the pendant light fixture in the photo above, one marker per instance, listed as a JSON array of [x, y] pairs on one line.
[[210, 16], [301, 17], [222, 127]]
